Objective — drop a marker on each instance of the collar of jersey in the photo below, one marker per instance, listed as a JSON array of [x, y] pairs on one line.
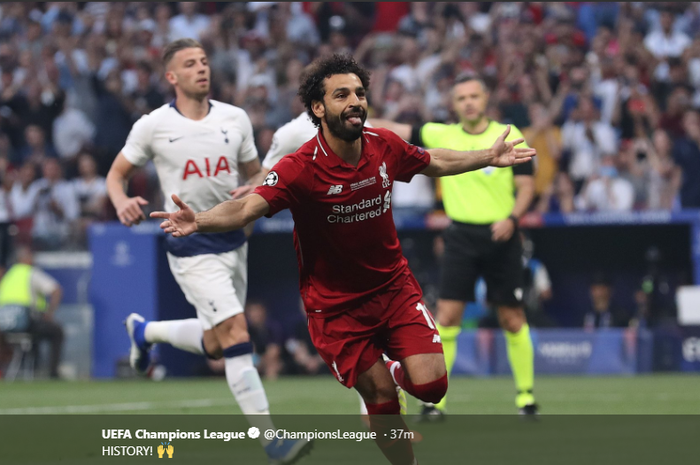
[[477, 133], [333, 160], [173, 104]]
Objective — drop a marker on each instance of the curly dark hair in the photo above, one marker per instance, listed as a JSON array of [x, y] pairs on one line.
[[312, 88]]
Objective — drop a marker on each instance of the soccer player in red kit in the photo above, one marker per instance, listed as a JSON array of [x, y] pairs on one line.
[[360, 296]]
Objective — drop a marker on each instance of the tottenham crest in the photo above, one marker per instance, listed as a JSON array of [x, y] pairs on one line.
[[271, 179]]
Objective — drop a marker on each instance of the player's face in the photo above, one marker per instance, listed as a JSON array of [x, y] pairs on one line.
[[344, 106], [469, 101], [189, 72]]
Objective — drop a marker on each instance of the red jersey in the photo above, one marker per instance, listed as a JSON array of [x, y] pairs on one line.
[[344, 232]]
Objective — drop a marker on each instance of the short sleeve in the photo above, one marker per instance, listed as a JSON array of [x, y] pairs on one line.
[[286, 185], [42, 283], [280, 146], [410, 160], [247, 151], [137, 150]]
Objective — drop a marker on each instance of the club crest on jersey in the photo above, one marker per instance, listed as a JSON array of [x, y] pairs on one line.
[[271, 179], [385, 177]]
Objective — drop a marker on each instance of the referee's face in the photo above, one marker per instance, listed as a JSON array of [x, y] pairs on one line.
[[469, 100]]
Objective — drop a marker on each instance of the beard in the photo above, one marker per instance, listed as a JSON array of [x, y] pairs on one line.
[[340, 126]]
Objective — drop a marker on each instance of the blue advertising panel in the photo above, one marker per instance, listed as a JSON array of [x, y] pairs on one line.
[[124, 277]]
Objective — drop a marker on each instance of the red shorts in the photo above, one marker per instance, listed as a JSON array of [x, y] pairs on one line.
[[394, 321]]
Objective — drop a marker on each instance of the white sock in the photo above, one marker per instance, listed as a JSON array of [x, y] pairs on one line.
[[183, 334], [245, 384], [363, 406]]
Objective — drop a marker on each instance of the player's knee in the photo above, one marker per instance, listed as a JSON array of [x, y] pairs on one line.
[[431, 392], [511, 319], [380, 395], [449, 312]]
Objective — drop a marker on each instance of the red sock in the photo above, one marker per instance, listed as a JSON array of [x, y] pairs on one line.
[[433, 391], [382, 419]]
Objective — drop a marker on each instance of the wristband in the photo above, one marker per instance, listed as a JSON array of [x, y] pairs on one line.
[[514, 219]]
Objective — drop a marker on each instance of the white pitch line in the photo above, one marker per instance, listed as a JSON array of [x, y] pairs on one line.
[[103, 408]]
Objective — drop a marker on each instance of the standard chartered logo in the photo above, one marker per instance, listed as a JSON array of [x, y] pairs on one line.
[[361, 211]]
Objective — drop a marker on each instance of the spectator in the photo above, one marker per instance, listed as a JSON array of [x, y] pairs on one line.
[[91, 190], [672, 118], [602, 313], [632, 165], [57, 207], [36, 149], [113, 121], [268, 340], [557, 197], [188, 23], [587, 140], [608, 192], [665, 43], [686, 153], [146, 97], [72, 131], [23, 198], [28, 300], [665, 176], [543, 136]]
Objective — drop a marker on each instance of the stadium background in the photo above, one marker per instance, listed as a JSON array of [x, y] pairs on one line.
[[74, 77]]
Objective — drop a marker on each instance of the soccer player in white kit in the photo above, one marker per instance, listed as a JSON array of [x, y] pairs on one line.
[[199, 148]]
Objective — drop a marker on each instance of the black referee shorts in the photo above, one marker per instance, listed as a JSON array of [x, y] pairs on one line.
[[470, 253]]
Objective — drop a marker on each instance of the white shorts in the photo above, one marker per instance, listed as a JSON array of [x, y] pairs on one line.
[[215, 284]]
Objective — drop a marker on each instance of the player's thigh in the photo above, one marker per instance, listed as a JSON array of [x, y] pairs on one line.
[[460, 263], [208, 284], [348, 347], [503, 274], [411, 329], [376, 385]]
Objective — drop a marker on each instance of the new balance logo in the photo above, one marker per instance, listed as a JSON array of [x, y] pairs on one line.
[[436, 339], [335, 190]]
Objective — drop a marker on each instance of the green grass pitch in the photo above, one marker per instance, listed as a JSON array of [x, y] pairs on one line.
[[653, 394]]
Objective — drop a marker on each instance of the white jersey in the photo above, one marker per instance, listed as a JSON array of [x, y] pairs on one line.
[[289, 138], [198, 161]]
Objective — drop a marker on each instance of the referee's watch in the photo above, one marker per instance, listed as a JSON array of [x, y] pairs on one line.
[[514, 219]]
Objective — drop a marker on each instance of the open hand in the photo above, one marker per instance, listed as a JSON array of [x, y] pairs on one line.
[[505, 154], [180, 223]]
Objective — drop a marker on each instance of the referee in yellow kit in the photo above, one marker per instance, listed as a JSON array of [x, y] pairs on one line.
[[484, 207]]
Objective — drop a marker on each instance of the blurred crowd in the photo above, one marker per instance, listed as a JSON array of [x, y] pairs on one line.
[[607, 92]]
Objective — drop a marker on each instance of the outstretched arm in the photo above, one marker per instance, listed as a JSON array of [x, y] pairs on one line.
[[444, 162], [400, 129], [227, 216]]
